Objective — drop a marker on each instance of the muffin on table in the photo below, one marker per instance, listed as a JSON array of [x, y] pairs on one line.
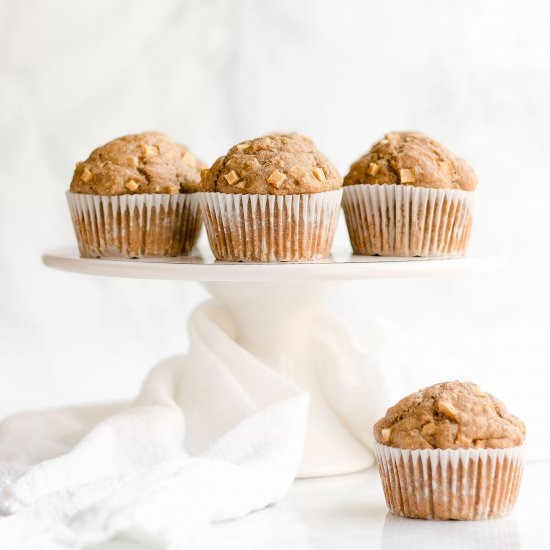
[[409, 196], [450, 451], [135, 197], [273, 198]]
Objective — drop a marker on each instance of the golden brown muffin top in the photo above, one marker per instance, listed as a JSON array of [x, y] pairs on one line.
[[449, 415], [412, 158], [139, 163], [276, 164]]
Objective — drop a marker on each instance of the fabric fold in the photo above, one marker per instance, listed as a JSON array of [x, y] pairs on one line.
[[212, 435]]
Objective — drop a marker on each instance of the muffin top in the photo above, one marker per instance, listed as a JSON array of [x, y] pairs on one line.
[[140, 163], [449, 415], [276, 164], [412, 158]]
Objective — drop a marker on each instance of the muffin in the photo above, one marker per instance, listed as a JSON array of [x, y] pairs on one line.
[[135, 197], [409, 196], [450, 451], [273, 198]]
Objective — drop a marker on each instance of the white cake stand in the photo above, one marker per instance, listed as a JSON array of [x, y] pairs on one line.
[[273, 307]]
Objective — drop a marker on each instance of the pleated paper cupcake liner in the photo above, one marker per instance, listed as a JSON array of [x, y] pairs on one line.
[[269, 228], [462, 484], [135, 226], [404, 220]]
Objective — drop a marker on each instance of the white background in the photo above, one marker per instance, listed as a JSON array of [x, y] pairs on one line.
[[475, 75]]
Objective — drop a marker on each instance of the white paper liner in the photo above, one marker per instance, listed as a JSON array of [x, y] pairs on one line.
[[463, 484], [135, 226], [404, 220], [269, 228]]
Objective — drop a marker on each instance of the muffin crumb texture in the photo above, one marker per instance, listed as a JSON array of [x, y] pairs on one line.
[[138, 164], [450, 415], [412, 158], [276, 164]]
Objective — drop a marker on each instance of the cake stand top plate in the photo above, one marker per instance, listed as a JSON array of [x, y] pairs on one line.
[[201, 266]]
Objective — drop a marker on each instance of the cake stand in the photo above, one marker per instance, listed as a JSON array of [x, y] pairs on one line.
[[273, 307]]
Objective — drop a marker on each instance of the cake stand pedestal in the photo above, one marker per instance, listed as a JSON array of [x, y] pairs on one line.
[[273, 307]]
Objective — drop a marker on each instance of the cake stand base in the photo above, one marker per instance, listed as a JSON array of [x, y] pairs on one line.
[[274, 321]]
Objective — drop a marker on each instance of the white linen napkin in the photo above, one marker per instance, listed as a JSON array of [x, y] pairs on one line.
[[213, 435]]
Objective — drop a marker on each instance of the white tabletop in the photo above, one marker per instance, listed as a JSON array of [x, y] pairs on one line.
[[349, 513]]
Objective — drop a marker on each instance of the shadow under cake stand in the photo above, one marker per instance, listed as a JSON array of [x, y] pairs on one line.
[[282, 299]]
